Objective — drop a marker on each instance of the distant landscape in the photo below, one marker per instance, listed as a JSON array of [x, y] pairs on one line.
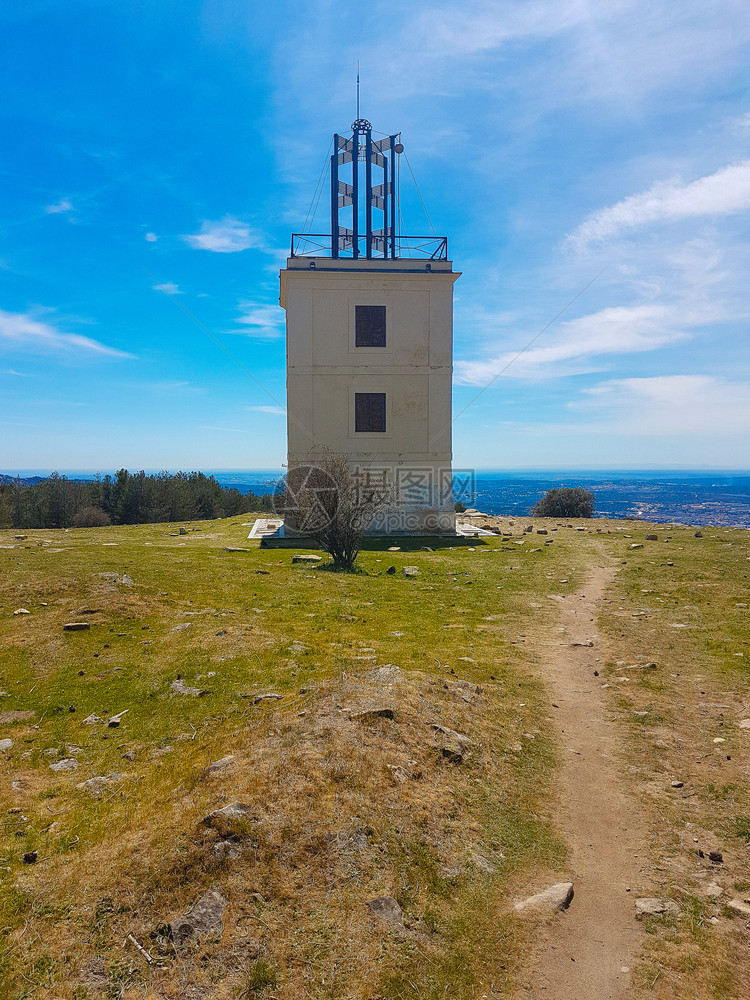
[[683, 497]]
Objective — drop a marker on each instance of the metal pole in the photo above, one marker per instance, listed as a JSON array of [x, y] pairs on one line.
[[335, 198]]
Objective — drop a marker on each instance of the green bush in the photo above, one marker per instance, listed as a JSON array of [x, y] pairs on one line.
[[564, 502]]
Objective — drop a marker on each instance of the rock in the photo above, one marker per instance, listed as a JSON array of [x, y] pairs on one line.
[[453, 746], [649, 906], [465, 690], [738, 906], [395, 548], [370, 714], [234, 548], [636, 545], [307, 559], [125, 580], [93, 720], [542, 531], [387, 674], [386, 908], [76, 626], [678, 784], [698, 534], [745, 724], [182, 627], [97, 786], [65, 764], [6, 745], [268, 696], [711, 889], [30, 857], [232, 820], [21, 611], [182, 688], [129, 755], [716, 857], [557, 897], [205, 917], [183, 530], [221, 765], [529, 528], [651, 538], [114, 722], [226, 850], [391, 570], [410, 571]]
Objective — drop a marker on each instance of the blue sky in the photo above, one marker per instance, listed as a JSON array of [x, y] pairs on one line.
[[588, 160]]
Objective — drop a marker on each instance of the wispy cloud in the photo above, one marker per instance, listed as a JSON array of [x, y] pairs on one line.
[[228, 235], [267, 409], [259, 320], [12, 371], [725, 192], [615, 330], [168, 287], [59, 207], [671, 404], [151, 237], [25, 332]]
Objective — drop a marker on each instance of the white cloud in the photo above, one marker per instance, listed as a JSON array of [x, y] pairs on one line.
[[12, 371], [725, 192], [168, 287], [262, 321], [228, 235], [61, 206], [151, 237], [682, 405], [21, 330], [267, 409], [615, 330]]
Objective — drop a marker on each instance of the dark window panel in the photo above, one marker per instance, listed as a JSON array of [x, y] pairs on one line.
[[369, 326], [369, 411]]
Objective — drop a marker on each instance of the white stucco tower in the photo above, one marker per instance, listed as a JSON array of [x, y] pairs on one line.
[[369, 326]]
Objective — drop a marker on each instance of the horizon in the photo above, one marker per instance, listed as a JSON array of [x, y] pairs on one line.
[[589, 165]]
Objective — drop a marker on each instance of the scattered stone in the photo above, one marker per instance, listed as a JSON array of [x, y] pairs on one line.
[[636, 545], [6, 745], [465, 690], [182, 688], [529, 528], [129, 755], [542, 531], [231, 820], [370, 714], [181, 628], [651, 538], [711, 889], [234, 548], [97, 786], [183, 530], [716, 857], [76, 626], [391, 570], [226, 850], [557, 897], [386, 908], [268, 696], [649, 906], [221, 765], [125, 580], [205, 917], [30, 857], [93, 720], [114, 722], [307, 559], [745, 724], [65, 764], [395, 548], [387, 674], [410, 571], [698, 534], [678, 784], [21, 611], [738, 906]]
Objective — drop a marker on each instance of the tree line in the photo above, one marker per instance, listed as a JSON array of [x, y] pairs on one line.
[[125, 498]]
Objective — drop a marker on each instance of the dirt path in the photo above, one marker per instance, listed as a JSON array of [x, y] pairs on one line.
[[586, 952]]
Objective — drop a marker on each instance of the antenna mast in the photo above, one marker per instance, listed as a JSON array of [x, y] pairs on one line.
[[358, 88]]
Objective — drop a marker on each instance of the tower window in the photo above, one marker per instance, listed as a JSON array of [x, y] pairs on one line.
[[369, 326], [369, 411]]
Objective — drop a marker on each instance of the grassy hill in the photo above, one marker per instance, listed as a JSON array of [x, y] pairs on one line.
[[386, 738]]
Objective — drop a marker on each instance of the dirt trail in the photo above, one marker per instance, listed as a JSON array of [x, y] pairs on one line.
[[582, 952]]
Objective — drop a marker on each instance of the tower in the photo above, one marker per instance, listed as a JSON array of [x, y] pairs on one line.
[[369, 326]]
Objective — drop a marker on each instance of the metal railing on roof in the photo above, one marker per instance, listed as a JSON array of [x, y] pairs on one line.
[[400, 247]]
